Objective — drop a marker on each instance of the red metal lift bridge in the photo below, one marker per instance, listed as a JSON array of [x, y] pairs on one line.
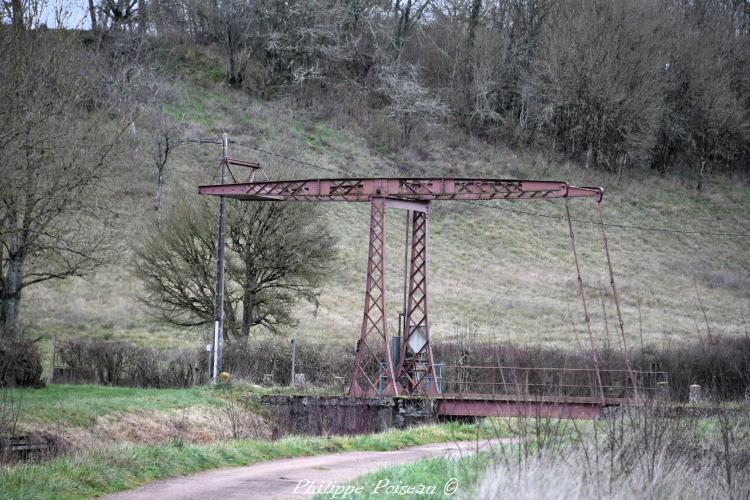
[[412, 371]]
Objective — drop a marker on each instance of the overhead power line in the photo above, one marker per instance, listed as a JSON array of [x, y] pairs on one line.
[[609, 224], [199, 140], [294, 160], [494, 207]]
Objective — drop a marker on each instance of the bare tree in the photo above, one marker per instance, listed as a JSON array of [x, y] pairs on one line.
[[408, 13], [277, 254], [598, 81], [119, 14], [705, 124], [411, 103], [56, 142], [165, 139]]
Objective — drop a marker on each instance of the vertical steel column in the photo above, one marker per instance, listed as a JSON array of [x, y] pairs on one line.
[[402, 318], [417, 364], [373, 366]]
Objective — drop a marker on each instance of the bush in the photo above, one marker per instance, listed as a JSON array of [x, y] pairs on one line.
[[20, 364], [261, 359], [720, 364], [120, 363]]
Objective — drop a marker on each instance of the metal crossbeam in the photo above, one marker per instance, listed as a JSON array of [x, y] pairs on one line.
[[426, 189]]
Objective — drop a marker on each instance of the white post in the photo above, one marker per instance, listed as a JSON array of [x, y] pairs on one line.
[[215, 371], [695, 393], [210, 355]]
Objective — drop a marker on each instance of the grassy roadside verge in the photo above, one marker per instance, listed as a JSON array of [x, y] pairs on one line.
[[124, 467], [427, 478]]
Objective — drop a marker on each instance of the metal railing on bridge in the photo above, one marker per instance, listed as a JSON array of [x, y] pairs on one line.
[[562, 384]]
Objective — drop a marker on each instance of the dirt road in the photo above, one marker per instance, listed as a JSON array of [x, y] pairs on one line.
[[293, 478]]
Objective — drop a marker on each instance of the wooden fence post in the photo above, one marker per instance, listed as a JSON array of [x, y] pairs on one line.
[[53, 346]]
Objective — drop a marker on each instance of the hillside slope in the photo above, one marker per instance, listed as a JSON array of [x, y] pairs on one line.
[[494, 272]]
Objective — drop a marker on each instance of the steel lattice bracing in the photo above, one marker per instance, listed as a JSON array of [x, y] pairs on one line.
[[373, 371], [402, 188], [417, 370]]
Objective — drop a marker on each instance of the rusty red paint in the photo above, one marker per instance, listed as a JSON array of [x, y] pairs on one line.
[[417, 367], [425, 189], [242, 163], [467, 407], [368, 361], [373, 373]]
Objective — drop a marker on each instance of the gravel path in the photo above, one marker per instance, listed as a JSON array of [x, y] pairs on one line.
[[294, 477]]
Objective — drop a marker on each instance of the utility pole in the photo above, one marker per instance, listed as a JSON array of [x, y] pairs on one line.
[[219, 306]]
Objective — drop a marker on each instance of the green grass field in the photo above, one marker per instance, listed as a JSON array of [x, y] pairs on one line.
[[81, 405]]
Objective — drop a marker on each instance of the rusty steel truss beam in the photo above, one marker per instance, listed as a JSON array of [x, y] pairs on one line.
[[424, 189]]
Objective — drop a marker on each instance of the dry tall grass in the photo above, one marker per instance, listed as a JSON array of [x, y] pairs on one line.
[[637, 453]]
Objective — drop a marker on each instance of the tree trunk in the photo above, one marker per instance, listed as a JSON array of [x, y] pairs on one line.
[[467, 81], [476, 8], [402, 26], [10, 300], [159, 188], [249, 302], [161, 159], [142, 16], [92, 15], [235, 77], [622, 163], [17, 13]]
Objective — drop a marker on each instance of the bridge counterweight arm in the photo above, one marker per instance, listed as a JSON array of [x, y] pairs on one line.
[[423, 189]]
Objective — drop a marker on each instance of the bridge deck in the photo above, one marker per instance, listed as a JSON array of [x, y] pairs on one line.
[[512, 405]]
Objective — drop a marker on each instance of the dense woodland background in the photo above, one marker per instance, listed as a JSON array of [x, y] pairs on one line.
[[615, 85], [110, 117]]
